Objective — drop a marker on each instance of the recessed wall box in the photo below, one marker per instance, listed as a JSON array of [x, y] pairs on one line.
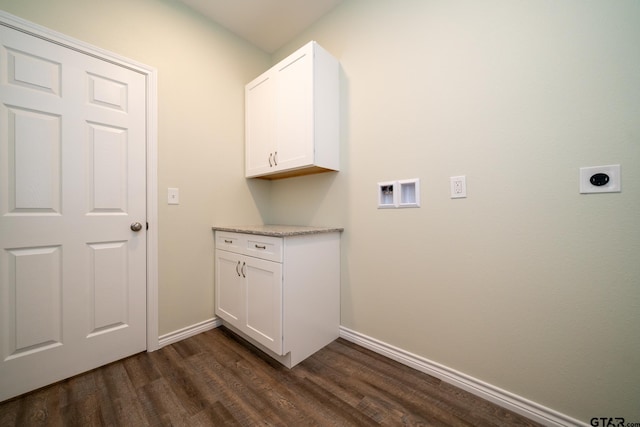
[[409, 193], [386, 194], [399, 194]]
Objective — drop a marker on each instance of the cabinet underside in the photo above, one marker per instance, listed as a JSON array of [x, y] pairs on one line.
[[293, 173]]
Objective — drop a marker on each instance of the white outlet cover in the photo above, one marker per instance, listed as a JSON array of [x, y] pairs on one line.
[[613, 186], [458, 187], [173, 196]]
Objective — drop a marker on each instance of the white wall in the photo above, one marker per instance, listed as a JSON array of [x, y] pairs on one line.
[[525, 284], [202, 70]]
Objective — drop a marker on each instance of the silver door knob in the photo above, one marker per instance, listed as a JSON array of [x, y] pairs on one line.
[[136, 226]]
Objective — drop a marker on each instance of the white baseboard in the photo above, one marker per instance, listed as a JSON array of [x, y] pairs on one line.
[[496, 395], [189, 331]]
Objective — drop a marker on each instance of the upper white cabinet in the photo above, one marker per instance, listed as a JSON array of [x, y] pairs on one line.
[[292, 116]]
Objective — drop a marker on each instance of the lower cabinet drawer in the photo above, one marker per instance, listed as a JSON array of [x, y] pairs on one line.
[[232, 242], [264, 247]]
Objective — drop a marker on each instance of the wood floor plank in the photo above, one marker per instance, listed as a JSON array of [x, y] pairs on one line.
[[214, 415], [83, 412], [36, 408], [270, 382], [141, 370], [9, 412], [393, 401], [452, 400], [161, 406], [224, 385], [218, 379]]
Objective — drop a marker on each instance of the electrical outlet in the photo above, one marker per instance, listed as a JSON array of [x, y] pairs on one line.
[[458, 187], [600, 179]]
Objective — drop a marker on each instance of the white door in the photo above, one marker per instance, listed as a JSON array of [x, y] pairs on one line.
[[263, 284], [72, 181], [229, 287], [294, 112], [260, 146]]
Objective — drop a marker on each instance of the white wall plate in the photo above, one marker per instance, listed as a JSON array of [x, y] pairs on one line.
[[600, 179]]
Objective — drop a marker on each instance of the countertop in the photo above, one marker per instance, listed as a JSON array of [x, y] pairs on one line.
[[278, 230]]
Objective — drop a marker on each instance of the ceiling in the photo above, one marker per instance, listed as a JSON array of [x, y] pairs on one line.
[[268, 24]]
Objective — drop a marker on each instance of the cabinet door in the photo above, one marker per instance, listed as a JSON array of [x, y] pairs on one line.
[[260, 146], [294, 116], [264, 302], [229, 287]]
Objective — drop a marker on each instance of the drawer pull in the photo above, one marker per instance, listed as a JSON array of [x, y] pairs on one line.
[[260, 247], [228, 241], [238, 265], [242, 269]]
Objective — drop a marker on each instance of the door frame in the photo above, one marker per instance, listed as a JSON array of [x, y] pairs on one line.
[[151, 82]]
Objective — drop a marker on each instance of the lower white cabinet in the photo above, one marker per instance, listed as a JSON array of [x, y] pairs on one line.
[[250, 297], [280, 293]]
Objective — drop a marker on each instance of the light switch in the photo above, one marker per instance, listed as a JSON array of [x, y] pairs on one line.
[[173, 196]]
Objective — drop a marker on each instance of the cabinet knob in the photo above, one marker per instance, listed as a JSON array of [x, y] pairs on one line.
[[275, 158], [237, 272], [270, 156], [242, 269]]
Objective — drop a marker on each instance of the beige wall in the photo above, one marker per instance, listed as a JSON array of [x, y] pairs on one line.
[[525, 284], [202, 70]]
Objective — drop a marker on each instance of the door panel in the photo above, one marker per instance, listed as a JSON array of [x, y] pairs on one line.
[[108, 287], [260, 138], [72, 180], [107, 93], [264, 302], [229, 293], [35, 284], [33, 72], [33, 161], [293, 100], [107, 169]]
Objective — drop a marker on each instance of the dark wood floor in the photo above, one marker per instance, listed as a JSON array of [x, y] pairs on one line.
[[217, 379]]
